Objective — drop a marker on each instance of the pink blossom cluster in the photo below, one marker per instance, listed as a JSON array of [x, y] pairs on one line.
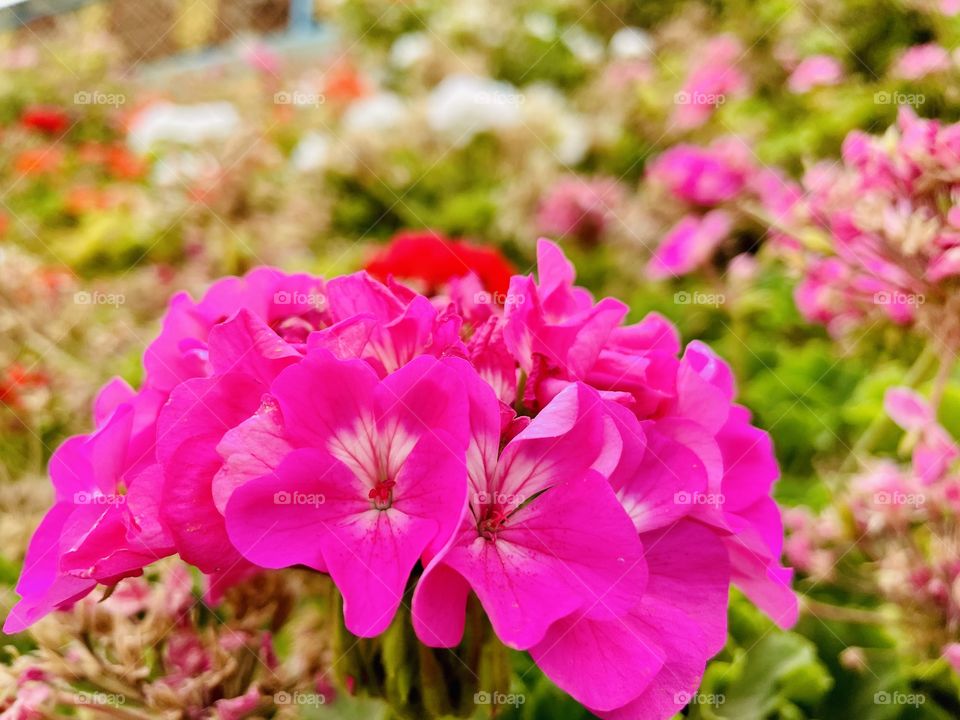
[[597, 493], [903, 520], [582, 208], [888, 215], [714, 184], [714, 80]]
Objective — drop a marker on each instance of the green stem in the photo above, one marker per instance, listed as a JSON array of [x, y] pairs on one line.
[[920, 368]]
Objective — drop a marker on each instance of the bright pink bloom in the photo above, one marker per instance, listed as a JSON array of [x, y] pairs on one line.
[[689, 244], [629, 667], [544, 535], [246, 356], [379, 467], [555, 329], [815, 71], [105, 524], [291, 305]]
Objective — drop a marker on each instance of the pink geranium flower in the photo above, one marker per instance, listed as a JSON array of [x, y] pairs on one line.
[[105, 524], [689, 244], [379, 465], [544, 535], [714, 80], [702, 176]]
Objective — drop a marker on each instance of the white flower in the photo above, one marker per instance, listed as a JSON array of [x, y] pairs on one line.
[[630, 43], [182, 124], [541, 25], [586, 47], [183, 168], [382, 111], [464, 105], [311, 153], [409, 49]]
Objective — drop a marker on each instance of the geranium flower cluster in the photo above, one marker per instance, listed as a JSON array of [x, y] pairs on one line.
[[903, 519], [893, 231], [596, 492], [722, 190]]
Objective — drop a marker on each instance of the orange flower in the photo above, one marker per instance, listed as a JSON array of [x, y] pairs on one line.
[[38, 161], [84, 198], [344, 83]]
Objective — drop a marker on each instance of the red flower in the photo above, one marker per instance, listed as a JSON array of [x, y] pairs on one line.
[[45, 118], [16, 378], [435, 259]]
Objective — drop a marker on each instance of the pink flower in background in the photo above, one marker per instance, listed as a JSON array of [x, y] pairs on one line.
[[885, 241], [935, 450], [952, 654], [689, 244], [921, 60], [713, 81], [582, 208], [815, 71], [262, 58], [703, 176]]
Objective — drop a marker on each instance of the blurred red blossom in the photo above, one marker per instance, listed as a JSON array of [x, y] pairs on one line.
[[45, 118], [435, 259]]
